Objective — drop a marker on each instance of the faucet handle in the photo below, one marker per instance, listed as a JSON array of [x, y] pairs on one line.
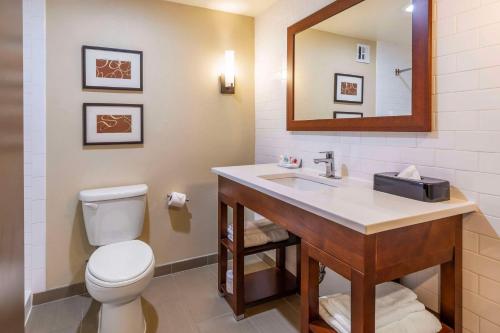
[[329, 154]]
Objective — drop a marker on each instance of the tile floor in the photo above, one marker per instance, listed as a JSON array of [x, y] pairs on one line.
[[185, 302]]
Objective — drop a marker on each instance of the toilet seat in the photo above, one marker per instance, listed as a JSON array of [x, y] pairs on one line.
[[120, 264]]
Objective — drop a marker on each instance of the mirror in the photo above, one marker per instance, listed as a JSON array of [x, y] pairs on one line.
[[361, 65]]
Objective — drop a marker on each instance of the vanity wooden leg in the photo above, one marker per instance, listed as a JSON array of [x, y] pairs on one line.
[[298, 261], [280, 257], [238, 261], [309, 304], [362, 303], [451, 285], [222, 254]]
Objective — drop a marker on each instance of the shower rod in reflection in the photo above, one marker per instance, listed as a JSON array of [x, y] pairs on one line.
[[398, 71]]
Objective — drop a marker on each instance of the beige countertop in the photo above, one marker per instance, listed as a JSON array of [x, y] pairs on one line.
[[348, 201]]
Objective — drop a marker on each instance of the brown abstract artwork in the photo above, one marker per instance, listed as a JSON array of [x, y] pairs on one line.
[[348, 88], [113, 69], [114, 123]]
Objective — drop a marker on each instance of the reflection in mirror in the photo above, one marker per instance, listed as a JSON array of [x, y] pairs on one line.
[[356, 63]]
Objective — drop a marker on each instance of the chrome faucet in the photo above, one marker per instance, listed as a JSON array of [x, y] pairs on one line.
[[330, 164]]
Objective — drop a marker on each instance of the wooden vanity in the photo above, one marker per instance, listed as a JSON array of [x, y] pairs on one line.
[[367, 254]]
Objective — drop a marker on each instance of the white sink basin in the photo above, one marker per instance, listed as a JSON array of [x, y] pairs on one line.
[[301, 182]]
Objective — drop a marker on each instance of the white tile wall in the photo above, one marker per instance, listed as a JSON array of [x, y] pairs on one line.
[[34, 144], [464, 148]]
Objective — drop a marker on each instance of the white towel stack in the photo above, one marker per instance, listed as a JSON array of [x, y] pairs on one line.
[[397, 310], [260, 232]]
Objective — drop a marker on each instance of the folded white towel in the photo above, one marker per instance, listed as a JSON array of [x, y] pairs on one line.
[[330, 320], [252, 238], [417, 322], [260, 232], [394, 303], [273, 231]]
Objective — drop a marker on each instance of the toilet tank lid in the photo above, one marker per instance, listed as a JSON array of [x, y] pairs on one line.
[[111, 193]]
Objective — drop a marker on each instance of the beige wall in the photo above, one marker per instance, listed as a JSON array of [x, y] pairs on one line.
[[189, 126], [318, 56]]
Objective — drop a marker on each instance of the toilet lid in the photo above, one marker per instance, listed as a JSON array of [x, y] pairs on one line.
[[120, 262]]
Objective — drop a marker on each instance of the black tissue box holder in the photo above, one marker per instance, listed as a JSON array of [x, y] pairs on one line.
[[427, 189]]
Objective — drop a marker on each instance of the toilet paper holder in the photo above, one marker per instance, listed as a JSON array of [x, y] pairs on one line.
[[169, 195]]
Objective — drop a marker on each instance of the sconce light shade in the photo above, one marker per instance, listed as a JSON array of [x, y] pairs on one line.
[[227, 79]]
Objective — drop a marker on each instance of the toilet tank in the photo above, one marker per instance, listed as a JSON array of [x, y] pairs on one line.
[[113, 214]]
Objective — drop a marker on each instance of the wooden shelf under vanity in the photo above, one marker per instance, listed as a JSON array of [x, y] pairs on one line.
[[258, 287], [320, 326], [266, 285], [293, 240]]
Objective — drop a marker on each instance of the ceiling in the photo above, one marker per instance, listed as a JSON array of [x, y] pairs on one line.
[[242, 7], [384, 20]]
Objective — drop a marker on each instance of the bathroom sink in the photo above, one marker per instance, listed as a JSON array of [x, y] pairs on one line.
[[301, 182]]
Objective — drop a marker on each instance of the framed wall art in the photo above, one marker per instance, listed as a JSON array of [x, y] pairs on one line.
[[111, 69], [109, 124], [349, 88]]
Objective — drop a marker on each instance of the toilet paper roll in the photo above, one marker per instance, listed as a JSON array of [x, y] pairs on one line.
[[176, 199]]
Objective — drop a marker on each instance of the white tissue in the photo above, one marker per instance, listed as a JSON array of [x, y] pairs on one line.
[[410, 172], [176, 199]]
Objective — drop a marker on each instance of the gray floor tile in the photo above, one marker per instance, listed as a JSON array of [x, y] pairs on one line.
[[168, 317], [162, 289], [276, 317], [56, 316], [185, 302], [199, 289], [294, 301], [226, 324]]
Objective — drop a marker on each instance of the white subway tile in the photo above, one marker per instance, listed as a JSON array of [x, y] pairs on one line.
[[446, 26], [490, 205], [478, 141], [460, 42], [489, 35], [482, 224], [479, 182], [447, 8], [460, 160], [471, 241], [437, 140], [485, 15], [458, 121], [420, 156], [489, 162], [490, 77], [462, 81], [470, 281], [486, 326], [482, 306], [37, 256], [479, 58], [469, 100], [470, 321], [490, 247], [489, 289], [489, 120], [446, 64]]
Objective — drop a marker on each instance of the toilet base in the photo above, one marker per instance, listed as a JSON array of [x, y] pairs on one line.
[[124, 318]]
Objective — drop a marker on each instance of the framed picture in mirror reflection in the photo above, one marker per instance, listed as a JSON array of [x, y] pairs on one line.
[[349, 88], [347, 115]]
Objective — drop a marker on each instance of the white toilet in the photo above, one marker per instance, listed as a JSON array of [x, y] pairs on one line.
[[122, 267]]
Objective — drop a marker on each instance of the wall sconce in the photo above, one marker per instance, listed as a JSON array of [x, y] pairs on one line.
[[227, 78]]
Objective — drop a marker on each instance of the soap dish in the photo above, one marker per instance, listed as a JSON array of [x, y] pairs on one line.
[[289, 165], [427, 189]]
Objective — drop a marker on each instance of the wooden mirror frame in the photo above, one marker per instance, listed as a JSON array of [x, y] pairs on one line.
[[421, 118]]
